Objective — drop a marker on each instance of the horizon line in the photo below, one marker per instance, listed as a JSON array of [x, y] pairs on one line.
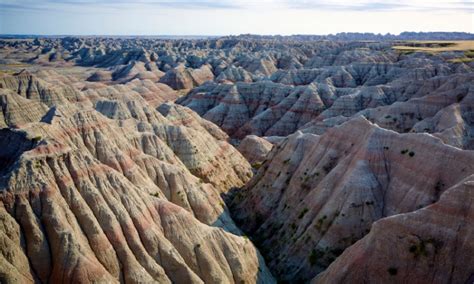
[[226, 35]]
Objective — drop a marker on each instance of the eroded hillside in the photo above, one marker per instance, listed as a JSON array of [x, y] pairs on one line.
[[353, 160]]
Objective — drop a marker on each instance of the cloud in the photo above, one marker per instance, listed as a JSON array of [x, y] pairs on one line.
[[18, 7], [378, 6], [323, 5], [65, 4]]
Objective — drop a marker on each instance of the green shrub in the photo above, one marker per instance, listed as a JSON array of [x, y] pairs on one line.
[[36, 139], [257, 166], [469, 53], [303, 213], [313, 257]]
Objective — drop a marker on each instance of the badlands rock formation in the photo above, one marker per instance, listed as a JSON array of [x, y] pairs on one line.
[[315, 195], [255, 149], [109, 189], [354, 159], [433, 242], [183, 78], [393, 91]]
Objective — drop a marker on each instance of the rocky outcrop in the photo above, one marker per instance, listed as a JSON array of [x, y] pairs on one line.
[[433, 244], [137, 70], [315, 195], [185, 78], [93, 193], [153, 93], [37, 90], [18, 111], [100, 76], [263, 108], [255, 149], [234, 74], [298, 99]]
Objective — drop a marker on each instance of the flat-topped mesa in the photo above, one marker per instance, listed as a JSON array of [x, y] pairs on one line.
[[317, 195]]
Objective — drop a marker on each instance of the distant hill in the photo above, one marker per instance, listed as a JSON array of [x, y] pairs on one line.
[[337, 37], [370, 36]]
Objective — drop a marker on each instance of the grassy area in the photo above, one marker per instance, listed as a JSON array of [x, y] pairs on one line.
[[435, 46]]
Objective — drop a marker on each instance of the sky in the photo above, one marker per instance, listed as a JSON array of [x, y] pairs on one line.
[[227, 17]]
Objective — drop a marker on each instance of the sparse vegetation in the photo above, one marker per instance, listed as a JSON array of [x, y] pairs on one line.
[[407, 47], [313, 257], [425, 247], [319, 224], [257, 166], [37, 164], [36, 139], [305, 210]]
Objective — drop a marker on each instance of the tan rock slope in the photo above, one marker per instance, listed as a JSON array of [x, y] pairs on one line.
[[255, 149], [315, 195], [91, 196], [183, 78], [433, 244], [263, 108]]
